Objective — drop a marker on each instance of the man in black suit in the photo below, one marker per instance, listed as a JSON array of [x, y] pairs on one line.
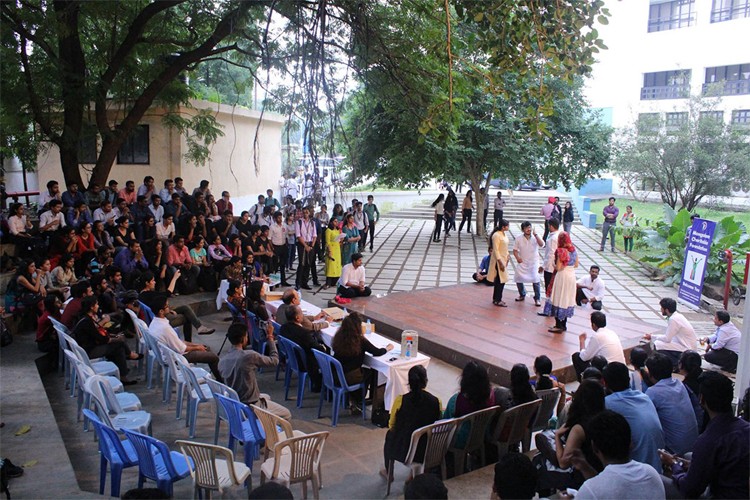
[[294, 331]]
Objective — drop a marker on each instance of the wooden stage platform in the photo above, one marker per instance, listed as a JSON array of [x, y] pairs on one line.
[[458, 323]]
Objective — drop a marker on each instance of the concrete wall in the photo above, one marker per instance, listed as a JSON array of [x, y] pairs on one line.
[[231, 166]]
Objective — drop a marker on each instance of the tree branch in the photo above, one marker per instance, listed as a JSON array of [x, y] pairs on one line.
[[36, 106], [17, 26]]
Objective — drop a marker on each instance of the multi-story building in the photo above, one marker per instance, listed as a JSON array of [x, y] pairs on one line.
[[662, 51]]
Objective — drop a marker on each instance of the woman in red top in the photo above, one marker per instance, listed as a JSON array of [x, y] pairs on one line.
[[46, 336], [85, 248]]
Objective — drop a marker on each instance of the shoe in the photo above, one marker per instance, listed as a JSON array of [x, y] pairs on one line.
[[555, 329], [316, 283], [542, 314], [306, 287], [12, 470], [537, 302], [437, 240], [284, 283], [499, 303], [521, 298], [355, 410], [137, 356], [291, 269], [205, 331], [129, 382]]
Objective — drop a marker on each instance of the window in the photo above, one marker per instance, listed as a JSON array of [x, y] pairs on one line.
[[728, 80], [135, 148], [87, 145], [669, 15], [717, 116], [741, 117], [726, 10], [666, 85], [676, 120], [648, 122]]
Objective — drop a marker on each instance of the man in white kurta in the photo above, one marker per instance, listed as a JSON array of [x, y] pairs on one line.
[[526, 253]]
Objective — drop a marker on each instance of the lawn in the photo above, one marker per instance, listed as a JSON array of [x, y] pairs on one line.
[[648, 213]]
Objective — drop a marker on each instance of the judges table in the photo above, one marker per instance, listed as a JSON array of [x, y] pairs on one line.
[[389, 366]]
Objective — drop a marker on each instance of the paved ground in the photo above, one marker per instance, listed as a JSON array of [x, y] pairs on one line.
[[404, 259]]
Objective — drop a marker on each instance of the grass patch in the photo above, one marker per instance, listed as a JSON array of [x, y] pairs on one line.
[[647, 213], [371, 187]]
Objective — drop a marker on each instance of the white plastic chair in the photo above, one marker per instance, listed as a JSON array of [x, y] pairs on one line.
[[226, 391], [276, 429], [300, 464], [478, 423], [99, 367], [439, 436], [512, 425], [110, 411], [62, 344], [214, 467], [141, 347], [197, 393], [550, 398], [155, 360], [175, 375]]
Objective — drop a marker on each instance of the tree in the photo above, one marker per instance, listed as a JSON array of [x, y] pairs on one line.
[[67, 54], [693, 155]]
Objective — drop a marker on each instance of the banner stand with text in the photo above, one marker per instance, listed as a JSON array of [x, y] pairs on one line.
[[697, 251]]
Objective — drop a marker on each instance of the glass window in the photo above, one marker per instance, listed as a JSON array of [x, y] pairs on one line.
[[736, 78], [741, 116], [666, 85], [726, 10], [676, 119], [648, 122], [712, 115], [135, 149], [670, 15]]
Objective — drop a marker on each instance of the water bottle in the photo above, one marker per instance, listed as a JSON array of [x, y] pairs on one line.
[[368, 327], [408, 349], [346, 313]]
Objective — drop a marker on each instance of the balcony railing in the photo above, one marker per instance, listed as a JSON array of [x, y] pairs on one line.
[[734, 87], [667, 92]]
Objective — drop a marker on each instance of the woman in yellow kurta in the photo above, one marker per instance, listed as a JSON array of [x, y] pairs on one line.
[[333, 253], [499, 260]]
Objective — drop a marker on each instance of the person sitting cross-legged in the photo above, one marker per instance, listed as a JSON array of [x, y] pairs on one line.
[[352, 281], [239, 365], [679, 336], [622, 476], [165, 334], [723, 347]]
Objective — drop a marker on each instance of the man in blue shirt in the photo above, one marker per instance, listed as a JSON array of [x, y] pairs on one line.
[[646, 432], [723, 347], [481, 275], [672, 402]]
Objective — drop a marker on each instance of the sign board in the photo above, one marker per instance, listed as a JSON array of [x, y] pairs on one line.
[[698, 248]]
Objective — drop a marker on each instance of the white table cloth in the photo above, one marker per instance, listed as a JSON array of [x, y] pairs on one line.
[[390, 365]]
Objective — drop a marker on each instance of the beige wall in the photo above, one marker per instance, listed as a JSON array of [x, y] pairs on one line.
[[231, 154]]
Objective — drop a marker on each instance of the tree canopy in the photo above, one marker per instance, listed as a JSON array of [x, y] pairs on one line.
[[69, 62], [692, 155]]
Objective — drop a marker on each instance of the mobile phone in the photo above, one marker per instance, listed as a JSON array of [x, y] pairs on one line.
[[392, 359]]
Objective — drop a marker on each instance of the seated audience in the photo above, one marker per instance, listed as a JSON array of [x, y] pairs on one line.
[[721, 455], [515, 477], [672, 402], [689, 367], [622, 477], [723, 347], [545, 380], [603, 342], [646, 432], [680, 334], [425, 486], [291, 297], [639, 380], [71, 313], [239, 365], [46, 336], [161, 329]]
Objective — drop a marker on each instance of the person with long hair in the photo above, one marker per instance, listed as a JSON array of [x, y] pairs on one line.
[[409, 412], [349, 347], [333, 253], [499, 260], [256, 300], [520, 385], [545, 380], [64, 275], [27, 286], [475, 393], [450, 209], [628, 224], [90, 333], [571, 439], [568, 216], [46, 336], [351, 239], [439, 206], [466, 212], [562, 300], [101, 237], [85, 248]]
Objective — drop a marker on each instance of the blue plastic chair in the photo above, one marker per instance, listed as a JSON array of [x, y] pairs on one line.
[[243, 427], [336, 384], [118, 454], [296, 362], [152, 362], [233, 311], [157, 463], [226, 391], [197, 393], [147, 310], [259, 344], [282, 352]]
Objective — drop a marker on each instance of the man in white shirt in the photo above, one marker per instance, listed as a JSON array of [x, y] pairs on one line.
[[105, 213], [352, 281], [165, 335], [277, 234], [526, 251], [256, 211], [590, 289], [52, 193], [52, 219], [680, 335], [165, 229], [622, 477], [603, 342], [723, 347], [550, 246]]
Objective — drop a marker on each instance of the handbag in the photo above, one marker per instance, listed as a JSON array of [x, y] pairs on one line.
[[545, 443]]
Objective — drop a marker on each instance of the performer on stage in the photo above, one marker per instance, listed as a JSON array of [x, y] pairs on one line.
[[499, 260], [526, 252], [562, 301]]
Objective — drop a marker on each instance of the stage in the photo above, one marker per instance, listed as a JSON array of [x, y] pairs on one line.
[[458, 323]]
